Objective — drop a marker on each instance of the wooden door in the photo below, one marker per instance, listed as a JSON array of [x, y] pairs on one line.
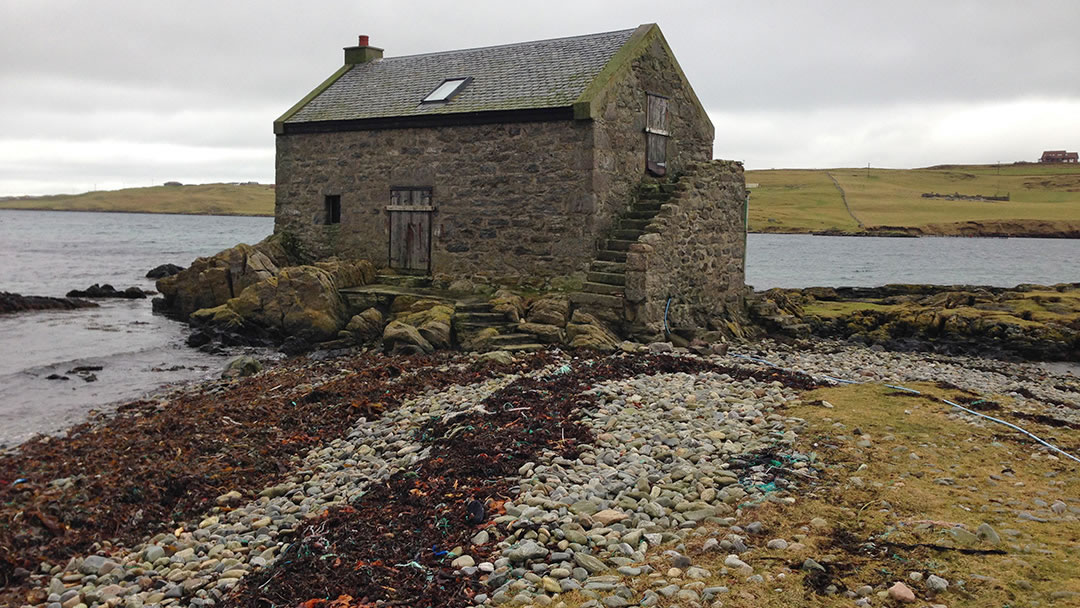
[[656, 135], [410, 230]]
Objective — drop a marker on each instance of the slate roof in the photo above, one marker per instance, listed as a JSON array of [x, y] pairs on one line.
[[523, 76]]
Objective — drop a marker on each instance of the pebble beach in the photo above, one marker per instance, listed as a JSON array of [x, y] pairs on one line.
[[654, 478]]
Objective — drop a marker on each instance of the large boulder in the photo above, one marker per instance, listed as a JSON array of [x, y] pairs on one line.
[[212, 281], [348, 273], [586, 331], [550, 310], [366, 326], [432, 318], [164, 270], [509, 304], [300, 301], [401, 338]]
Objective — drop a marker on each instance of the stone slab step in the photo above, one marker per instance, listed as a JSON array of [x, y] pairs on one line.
[[403, 280], [522, 348], [654, 196], [471, 307], [628, 235], [602, 288], [609, 278], [507, 339], [598, 300], [649, 206], [602, 266], [619, 244], [476, 326], [611, 256], [634, 214], [633, 224], [469, 316]]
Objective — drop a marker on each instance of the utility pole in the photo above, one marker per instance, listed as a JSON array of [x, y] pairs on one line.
[[867, 170]]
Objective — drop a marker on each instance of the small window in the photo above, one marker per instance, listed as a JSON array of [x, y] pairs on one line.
[[446, 90], [333, 209]]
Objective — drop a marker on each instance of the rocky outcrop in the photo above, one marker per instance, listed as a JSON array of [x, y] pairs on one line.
[[164, 270], [432, 319], [299, 302], [586, 331], [107, 291], [212, 281], [13, 302], [509, 304], [1029, 321], [550, 310], [365, 326], [401, 338]]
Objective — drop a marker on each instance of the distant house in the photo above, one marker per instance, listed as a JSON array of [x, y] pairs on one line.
[[517, 164], [1059, 156]]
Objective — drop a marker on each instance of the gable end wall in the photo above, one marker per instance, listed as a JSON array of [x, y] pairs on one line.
[[620, 127]]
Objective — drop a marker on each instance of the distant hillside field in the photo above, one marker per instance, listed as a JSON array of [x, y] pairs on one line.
[[1044, 200], [202, 199]]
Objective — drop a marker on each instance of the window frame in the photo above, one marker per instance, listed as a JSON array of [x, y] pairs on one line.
[[463, 82], [331, 209]]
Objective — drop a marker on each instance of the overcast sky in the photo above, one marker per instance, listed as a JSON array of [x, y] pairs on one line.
[[108, 94]]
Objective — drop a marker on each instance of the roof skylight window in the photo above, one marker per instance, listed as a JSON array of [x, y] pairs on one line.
[[447, 90]]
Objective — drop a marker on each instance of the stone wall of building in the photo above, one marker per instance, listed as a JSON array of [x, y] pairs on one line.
[[619, 134], [693, 253], [513, 201]]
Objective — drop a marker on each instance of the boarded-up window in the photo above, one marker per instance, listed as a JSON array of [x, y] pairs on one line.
[[656, 135], [332, 204], [410, 213]]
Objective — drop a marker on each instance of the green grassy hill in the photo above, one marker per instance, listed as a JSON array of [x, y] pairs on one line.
[[1043, 200], [202, 199]]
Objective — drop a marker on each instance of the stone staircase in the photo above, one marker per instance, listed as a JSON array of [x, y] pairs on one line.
[[606, 278], [470, 318]]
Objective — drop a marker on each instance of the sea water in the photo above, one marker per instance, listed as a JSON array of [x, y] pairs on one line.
[[49, 253]]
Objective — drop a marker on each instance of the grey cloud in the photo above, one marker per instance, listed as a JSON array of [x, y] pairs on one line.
[[808, 82]]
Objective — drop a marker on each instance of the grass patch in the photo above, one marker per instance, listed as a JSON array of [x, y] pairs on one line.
[[201, 199], [890, 502], [1043, 199]]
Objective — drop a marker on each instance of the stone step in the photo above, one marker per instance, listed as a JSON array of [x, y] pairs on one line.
[[404, 280], [668, 188], [598, 300], [654, 196], [619, 244], [522, 348], [469, 316], [476, 326], [635, 214], [609, 278], [602, 266], [502, 340], [633, 224], [611, 256], [650, 206], [628, 235], [471, 307], [602, 288]]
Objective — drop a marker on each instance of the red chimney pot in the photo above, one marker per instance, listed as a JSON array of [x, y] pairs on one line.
[[364, 41]]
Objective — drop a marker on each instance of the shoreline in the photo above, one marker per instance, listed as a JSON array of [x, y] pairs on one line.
[[1072, 234], [359, 409], [3, 208]]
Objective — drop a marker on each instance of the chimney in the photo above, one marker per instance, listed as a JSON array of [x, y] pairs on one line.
[[362, 52]]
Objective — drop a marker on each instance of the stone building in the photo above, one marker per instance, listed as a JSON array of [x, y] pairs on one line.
[[520, 164]]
